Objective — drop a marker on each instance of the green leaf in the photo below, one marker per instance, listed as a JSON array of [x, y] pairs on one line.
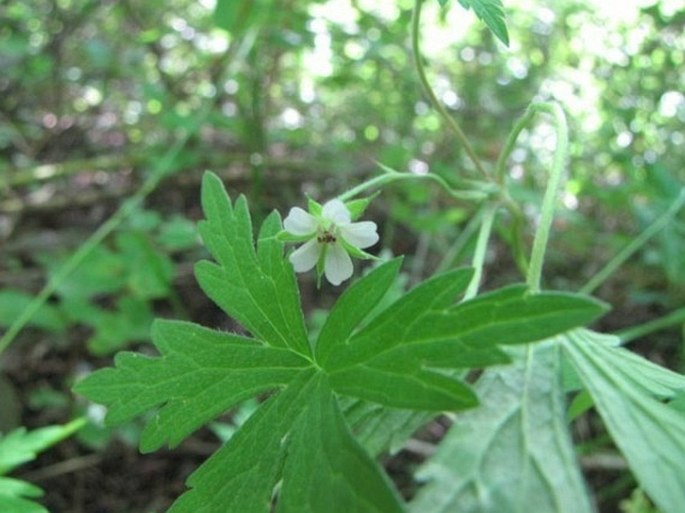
[[241, 476], [353, 306], [237, 17], [114, 330], [21, 446], [327, 469], [297, 443], [519, 430], [393, 359], [358, 207], [232, 16], [17, 488], [177, 234], [298, 436], [257, 288], [201, 373], [149, 271], [101, 272], [390, 327], [627, 391], [379, 429], [14, 302], [315, 208], [15, 497], [492, 14]]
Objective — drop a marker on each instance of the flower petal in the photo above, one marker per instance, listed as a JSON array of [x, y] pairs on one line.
[[336, 212], [361, 235], [305, 257], [300, 222], [338, 265]]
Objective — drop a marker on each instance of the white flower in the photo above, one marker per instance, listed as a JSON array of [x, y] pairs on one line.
[[331, 236]]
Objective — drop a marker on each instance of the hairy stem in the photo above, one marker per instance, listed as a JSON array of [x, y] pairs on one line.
[[537, 256]]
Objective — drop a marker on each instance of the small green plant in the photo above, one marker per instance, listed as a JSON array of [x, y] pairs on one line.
[[317, 407], [408, 356], [371, 375], [18, 447]]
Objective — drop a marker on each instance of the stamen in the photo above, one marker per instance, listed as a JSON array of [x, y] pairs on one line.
[[326, 238]]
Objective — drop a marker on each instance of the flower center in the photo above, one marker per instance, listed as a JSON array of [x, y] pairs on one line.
[[326, 237]]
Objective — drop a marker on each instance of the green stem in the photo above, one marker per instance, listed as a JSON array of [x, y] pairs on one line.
[[160, 171], [481, 249], [549, 201], [390, 176], [469, 230], [635, 245], [451, 123], [510, 143], [673, 319]]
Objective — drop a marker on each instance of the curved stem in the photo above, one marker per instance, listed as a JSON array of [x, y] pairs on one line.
[[510, 143], [390, 176], [481, 250], [549, 201], [635, 245], [454, 126]]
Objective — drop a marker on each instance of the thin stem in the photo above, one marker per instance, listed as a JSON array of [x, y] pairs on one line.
[[451, 122], [391, 176], [635, 245], [481, 249], [461, 241], [549, 201], [676, 318], [160, 171], [510, 143]]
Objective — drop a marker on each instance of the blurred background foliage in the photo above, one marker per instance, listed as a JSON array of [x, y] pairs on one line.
[[284, 97]]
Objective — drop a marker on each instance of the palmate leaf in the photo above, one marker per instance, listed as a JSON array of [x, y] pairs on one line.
[[297, 451], [628, 391], [202, 373], [518, 430]]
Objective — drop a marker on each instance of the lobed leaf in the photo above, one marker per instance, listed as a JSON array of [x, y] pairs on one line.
[[298, 441], [626, 390], [353, 306], [241, 476], [389, 328], [393, 360], [326, 468], [299, 437], [15, 497], [257, 288], [415, 389], [200, 374], [21, 446]]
